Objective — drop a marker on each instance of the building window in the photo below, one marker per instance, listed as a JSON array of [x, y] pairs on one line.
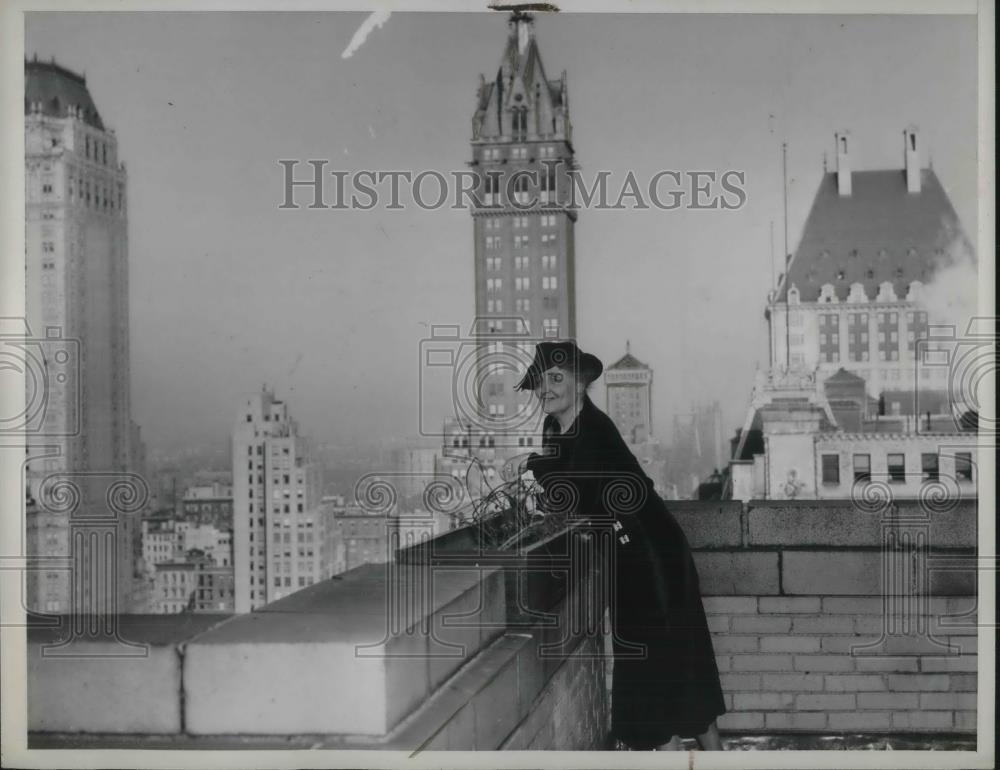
[[522, 284], [549, 184], [521, 191], [492, 190], [519, 123], [862, 467], [897, 467], [857, 336], [831, 469], [549, 262], [829, 337], [963, 466], [549, 282], [929, 466], [888, 336], [550, 327], [917, 323]]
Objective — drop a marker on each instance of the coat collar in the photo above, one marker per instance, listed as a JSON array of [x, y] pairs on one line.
[[551, 424]]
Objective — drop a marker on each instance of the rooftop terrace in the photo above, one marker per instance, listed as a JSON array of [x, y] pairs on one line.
[[834, 627]]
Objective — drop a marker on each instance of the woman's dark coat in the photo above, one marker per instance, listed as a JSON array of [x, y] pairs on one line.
[[671, 687]]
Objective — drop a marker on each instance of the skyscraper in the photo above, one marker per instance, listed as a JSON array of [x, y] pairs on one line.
[[629, 387], [282, 535], [77, 312], [523, 233]]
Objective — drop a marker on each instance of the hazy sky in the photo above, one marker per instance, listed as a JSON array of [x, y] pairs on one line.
[[329, 307]]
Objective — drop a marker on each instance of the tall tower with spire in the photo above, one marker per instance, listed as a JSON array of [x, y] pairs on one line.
[[523, 230]]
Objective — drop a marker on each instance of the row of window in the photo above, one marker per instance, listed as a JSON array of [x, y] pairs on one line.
[[287, 581], [495, 242], [521, 192], [96, 151], [495, 264], [858, 337], [523, 283], [102, 197], [550, 326], [518, 152], [889, 317], [896, 467], [286, 537], [520, 222]]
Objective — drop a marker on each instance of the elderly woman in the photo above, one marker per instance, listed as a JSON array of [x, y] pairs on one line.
[[666, 681]]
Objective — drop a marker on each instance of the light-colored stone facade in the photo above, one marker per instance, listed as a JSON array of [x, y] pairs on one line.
[[283, 537], [76, 252]]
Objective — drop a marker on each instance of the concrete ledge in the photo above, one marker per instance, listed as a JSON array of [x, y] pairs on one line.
[[709, 524], [385, 634], [861, 573], [734, 573], [128, 684], [844, 523]]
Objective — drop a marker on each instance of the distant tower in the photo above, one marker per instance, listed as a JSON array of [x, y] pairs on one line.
[[629, 388], [281, 533], [76, 258], [843, 162], [523, 232]]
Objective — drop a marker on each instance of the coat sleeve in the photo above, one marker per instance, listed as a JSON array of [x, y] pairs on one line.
[[609, 479]]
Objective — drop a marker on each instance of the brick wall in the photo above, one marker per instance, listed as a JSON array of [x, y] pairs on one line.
[[858, 621], [572, 712], [803, 663]]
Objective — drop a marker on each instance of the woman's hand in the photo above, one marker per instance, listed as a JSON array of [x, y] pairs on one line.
[[514, 467]]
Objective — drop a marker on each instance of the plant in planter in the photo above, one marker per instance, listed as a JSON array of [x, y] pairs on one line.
[[512, 514]]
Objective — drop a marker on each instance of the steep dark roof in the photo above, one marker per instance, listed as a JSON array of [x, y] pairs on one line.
[[628, 361], [879, 233], [842, 376], [57, 89]]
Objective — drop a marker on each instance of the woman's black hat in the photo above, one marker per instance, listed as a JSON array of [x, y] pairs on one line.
[[566, 355]]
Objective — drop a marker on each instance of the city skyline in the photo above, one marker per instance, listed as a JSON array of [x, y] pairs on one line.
[[209, 250]]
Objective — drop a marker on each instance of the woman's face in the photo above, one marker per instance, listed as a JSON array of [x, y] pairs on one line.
[[558, 391]]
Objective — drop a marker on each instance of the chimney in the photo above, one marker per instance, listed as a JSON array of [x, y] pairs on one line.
[[912, 154], [843, 162]]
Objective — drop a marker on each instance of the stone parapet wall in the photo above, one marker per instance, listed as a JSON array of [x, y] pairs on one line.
[[826, 618]]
